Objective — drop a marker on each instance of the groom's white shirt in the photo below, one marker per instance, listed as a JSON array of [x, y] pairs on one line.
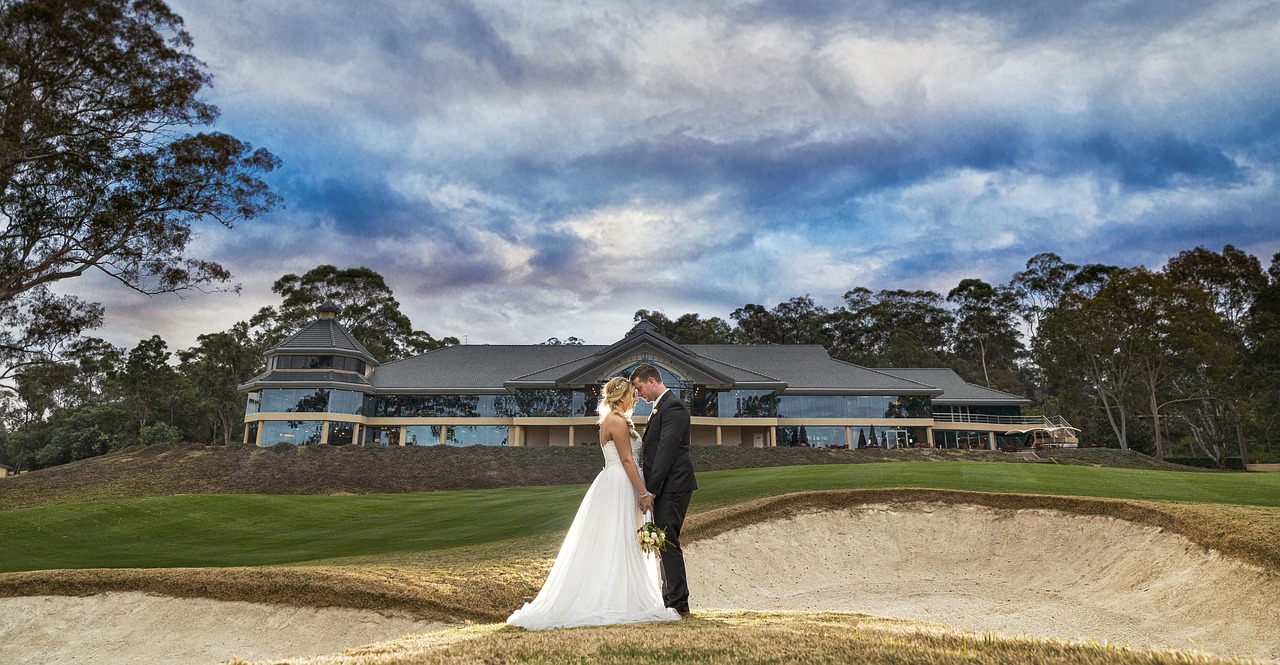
[[655, 408], [657, 401]]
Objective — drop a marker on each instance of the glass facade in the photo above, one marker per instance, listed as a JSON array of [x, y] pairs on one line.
[[867, 436], [545, 404], [983, 410], [422, 435], [747, 404], [297, 432], [854, 406], [340, 434], [306, 400], [523, 404], [319, 362], [475, 435], [382, 435]]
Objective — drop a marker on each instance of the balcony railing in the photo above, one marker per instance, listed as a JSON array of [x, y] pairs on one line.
[[1047, 421]]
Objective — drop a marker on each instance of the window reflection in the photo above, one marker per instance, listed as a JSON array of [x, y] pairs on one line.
[[422, 435], [476, 435], [854, 406], [296, 432], [382, 435], [340, 434], [343, 363]]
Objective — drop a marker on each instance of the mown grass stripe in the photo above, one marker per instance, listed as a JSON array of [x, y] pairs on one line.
[[254, 530]]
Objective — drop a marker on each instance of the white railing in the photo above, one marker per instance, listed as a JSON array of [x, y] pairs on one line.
[[1047, 421]]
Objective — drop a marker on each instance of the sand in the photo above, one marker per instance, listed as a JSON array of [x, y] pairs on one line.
[[120, 628], [1036, 573]]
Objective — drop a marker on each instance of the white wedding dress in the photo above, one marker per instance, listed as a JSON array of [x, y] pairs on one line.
[[600, 575]]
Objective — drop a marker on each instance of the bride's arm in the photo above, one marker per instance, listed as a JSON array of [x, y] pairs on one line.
[[621, 434]]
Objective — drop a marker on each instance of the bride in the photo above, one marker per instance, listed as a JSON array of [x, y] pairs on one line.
[[600, 577]]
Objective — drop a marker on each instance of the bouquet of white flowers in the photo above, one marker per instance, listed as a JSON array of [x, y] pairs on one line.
[[651, 538]]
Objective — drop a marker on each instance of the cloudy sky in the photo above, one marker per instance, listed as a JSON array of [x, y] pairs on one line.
[[521, 169]]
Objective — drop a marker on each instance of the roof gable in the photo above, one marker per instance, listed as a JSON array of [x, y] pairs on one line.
[[644, 343], [323, 335]]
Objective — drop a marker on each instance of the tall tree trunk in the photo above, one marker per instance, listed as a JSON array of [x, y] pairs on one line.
[[1155, 422], [982, 353]]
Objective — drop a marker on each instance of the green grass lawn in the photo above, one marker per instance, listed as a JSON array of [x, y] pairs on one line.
[[251, 530]]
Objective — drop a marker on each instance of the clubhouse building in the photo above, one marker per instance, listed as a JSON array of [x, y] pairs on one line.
[[323, 387]]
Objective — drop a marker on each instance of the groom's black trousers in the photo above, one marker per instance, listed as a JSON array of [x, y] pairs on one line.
[[668, 513]]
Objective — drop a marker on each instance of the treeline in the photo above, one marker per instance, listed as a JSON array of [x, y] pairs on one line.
[[1184, 361], [97, 397]]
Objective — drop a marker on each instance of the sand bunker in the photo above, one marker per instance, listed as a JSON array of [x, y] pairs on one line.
[[1039, 573], [139, 628], [1036, 573]]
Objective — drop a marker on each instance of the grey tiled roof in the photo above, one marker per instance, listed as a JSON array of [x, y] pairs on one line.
[[488, 367], [323, 335], [475, 367], [319, 379], [809, 368], [956, 390]]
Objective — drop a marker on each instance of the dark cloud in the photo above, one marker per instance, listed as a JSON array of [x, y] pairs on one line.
[[1162, 161], [1019, 19], [895, 143]]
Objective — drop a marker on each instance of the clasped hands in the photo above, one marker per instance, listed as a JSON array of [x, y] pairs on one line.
[[646, 502]]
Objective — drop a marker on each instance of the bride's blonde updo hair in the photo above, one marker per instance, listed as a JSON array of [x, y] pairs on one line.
[[613, 399]]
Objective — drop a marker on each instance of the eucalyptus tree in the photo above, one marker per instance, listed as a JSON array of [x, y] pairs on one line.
[[367, 307], [96, 172], [215, 367], [985, 334], [1262, 375], [1171, 332], [1039, 288], [688, 328], [1078, 344], [1234, 280], [797, 321], [146, 385], [894, 328]]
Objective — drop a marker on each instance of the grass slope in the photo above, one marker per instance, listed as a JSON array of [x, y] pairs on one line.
[[196, 469], [253, 530]]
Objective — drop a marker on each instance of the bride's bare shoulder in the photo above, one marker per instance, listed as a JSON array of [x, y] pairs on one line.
[[612, 423]]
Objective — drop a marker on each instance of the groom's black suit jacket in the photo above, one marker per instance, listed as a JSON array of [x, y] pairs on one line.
[[667, 467]]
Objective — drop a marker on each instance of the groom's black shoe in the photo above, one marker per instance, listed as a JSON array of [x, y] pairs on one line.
[[684, 614]]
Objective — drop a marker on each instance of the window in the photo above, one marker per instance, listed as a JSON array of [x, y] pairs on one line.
[[422, 435], [343, 363], [854, 406], [811, 437], [296, 432], [340, 434], [473, 435], [292, 400], [382, 436], [345, 401]]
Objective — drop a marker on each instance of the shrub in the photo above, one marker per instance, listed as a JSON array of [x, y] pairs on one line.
[[159, 432]]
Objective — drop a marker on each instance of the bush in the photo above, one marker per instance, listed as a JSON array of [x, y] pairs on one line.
[[159, 432]]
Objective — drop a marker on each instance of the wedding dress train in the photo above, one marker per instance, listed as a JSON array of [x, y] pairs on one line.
[[600, 575]]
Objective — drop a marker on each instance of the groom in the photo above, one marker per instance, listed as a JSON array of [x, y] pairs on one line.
[[668, 477]]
